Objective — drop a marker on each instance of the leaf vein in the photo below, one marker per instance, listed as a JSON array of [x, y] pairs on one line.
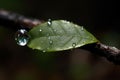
[[67, 41]]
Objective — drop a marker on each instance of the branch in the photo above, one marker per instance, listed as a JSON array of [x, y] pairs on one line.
[[109, 52], [13, 19]]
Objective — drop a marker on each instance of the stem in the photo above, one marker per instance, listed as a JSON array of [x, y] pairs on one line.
[[109, 52], [13, 19]]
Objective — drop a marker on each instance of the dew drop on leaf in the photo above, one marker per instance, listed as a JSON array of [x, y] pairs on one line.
[[55, 30], [51, 42], [44, 51], [73, 45], [49, 22], [82, 28], [21, 37], [40, 30], [48, 48], [49, 37]]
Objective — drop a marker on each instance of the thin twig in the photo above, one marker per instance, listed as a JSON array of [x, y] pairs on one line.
[[109, 52], [10, 18]]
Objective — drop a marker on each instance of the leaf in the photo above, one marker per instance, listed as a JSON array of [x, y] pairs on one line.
[[59, 35]]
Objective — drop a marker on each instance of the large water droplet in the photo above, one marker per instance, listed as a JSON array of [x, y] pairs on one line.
[[21, 37], [73, 45], [49, 22]]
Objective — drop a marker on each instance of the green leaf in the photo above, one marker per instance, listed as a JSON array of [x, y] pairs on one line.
[[59, 35]]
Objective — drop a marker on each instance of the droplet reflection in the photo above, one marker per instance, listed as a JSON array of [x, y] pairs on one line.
[[49, 22], [73, 45], [44, 51], [51, 42], [21, 37], [40, 30], [82, 28]]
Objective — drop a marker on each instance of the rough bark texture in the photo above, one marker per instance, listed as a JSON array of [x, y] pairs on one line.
[[109, 52]]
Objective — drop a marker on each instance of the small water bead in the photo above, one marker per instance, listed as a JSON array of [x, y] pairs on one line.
[[84, 42], [82, 28], [40, 30], [21, 37], [55, 30], [49, 37], [73, 45], [48, 48], [44, 51], [51, 42], [49, 22]]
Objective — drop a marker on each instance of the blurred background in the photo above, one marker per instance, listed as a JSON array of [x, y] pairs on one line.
[[100, 17]]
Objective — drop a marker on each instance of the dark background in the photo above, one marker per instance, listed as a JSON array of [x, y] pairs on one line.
[[100, 17]]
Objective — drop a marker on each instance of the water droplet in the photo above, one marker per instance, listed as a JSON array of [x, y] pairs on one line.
[[40, 30], [51, 42], [49, 22], [82, 28], [49, 37], [47, 48], [55, 30], [44, 51], [21, 37], [83, 42], [74, 45]]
